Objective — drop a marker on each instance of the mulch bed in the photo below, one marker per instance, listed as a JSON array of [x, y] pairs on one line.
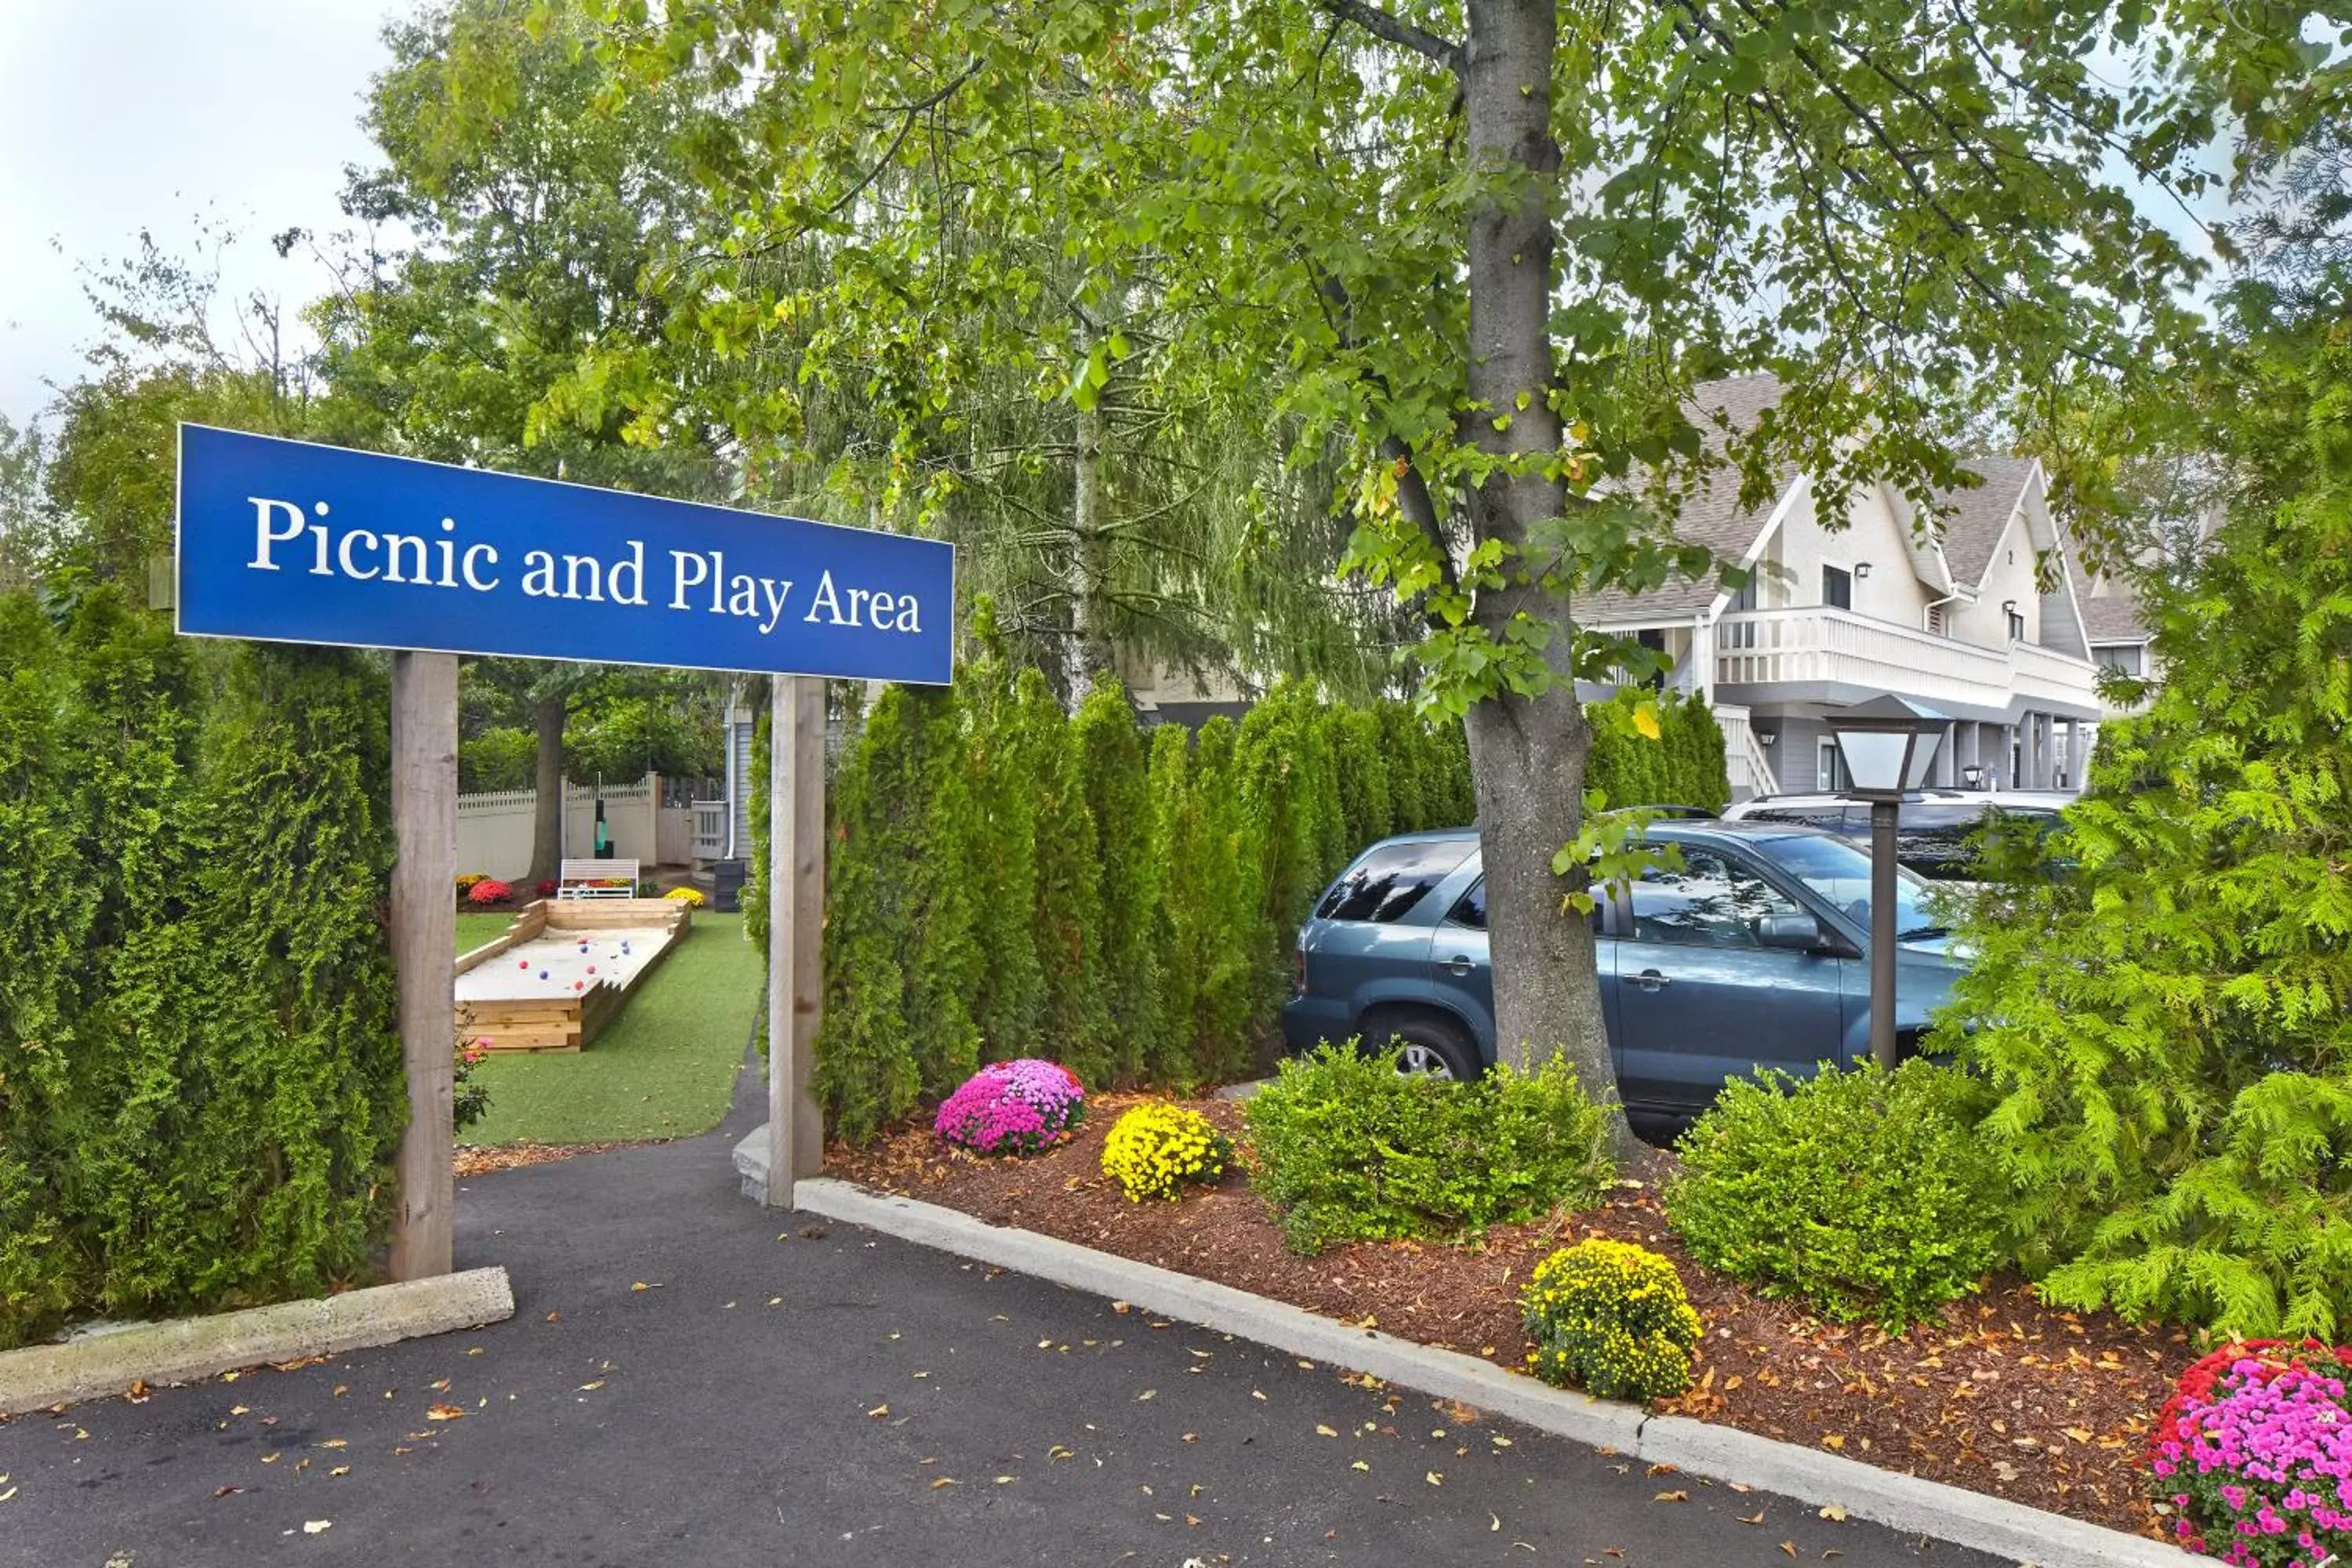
[[2002, 1394]]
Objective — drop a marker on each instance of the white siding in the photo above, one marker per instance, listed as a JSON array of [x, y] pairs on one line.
[[1892, 592], [2010, 577]]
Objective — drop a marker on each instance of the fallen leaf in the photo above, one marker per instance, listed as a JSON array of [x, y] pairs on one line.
[[592, 1387], [1148, 1393], [555, 1317], [340, 1470], [1834, 1514], [317, 1526], [1833, 1440], [1323, 1431], [226, 1492], [1434, 1478], [335, 1443], [944, 1481], [1672, 1497], [445, 1413], [1121, 1308], [641, 1285], [1359, 1465], [1790, 1547], [1656, 1471], [1757, 1518], [1004, 1481], [878, 1411]]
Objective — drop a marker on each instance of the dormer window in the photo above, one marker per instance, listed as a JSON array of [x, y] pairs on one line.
[[1837, 588]]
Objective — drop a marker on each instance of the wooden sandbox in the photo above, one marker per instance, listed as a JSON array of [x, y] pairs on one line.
[[533, 988]]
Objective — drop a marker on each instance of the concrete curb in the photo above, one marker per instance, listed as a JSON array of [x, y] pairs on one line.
[[185, 1349], [2027, 1536]]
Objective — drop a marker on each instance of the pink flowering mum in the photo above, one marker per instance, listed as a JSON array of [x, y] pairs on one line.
[[1013, 1108], [2259, 1464]]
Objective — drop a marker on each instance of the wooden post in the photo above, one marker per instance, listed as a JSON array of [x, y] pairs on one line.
[[795, 887], [424, 950]]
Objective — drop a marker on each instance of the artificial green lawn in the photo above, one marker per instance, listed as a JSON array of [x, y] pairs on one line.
[[663, 1068], [473, 930]]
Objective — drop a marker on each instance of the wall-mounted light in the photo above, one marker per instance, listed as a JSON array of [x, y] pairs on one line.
[[2009, 606], [1861, 570]]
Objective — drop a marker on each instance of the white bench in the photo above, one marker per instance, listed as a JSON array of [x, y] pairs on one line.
[[576, 880]]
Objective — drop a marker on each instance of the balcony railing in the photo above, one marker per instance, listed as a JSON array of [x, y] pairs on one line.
[[1817, 645]]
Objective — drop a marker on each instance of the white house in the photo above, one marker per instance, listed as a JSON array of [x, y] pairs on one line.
[[1954, 617]]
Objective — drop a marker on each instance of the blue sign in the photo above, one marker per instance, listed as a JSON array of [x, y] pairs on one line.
[[288, 541]]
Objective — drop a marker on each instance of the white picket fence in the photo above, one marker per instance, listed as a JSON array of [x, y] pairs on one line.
[[493, 828]]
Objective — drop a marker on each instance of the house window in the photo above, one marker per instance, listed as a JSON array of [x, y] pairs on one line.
[[1654, 639], [1837, 588], [2016, 626], [1831, 770], [2124, 658]]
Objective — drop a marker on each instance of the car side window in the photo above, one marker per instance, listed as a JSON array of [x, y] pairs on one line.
[[1709, 902], [1388, 882], [1470, 908]]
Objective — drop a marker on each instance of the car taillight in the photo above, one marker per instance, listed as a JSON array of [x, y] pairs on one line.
[[1298, 972]]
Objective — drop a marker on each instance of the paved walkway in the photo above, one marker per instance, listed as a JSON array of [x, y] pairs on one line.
[[690, 1380]]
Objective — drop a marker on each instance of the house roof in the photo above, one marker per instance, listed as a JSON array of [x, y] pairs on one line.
[[1972, 519], [1711, 514], [1975, 519], [2114, 617]]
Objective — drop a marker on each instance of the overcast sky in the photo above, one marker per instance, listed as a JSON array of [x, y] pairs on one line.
[[117, 115]]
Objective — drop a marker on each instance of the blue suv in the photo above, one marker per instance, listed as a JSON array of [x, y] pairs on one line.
[[1750, 954]]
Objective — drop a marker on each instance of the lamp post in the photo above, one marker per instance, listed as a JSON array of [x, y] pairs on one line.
[[1887, 744]]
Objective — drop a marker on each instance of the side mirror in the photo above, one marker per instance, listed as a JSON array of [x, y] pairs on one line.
[[1791, 933]]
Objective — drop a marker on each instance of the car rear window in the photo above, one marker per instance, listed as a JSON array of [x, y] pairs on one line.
[[1389, 880], [1938, 841]]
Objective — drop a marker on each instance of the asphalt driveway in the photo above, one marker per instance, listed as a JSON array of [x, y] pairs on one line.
[[689, 1379]]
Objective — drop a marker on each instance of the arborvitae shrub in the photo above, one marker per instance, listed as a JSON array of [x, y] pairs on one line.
[[1110, 761], [1075, 1027], [200, 1075], [1009, 996]]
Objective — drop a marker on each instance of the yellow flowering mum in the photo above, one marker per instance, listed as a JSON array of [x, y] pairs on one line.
[[1155, 1149], [686, 895], [1611, 1318]]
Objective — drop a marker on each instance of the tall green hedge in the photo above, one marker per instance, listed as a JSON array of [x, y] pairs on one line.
[[1683, 766], [1008, 880], [200, 1074]]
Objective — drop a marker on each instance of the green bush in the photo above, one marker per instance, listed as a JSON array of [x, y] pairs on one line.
[[498, 759], [1861, 1192], [200, 1075], [1345, 1148], [1610, 1318]]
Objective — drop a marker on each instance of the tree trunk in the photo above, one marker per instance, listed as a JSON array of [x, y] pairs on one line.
[[1527, 753], [547, 816], [1090, 648]]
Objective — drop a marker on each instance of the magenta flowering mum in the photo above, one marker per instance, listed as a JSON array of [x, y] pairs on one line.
[[1013, 1108], [2255, 1453]]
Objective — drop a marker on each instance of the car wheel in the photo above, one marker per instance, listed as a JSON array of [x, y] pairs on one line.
[[1434, 1048]]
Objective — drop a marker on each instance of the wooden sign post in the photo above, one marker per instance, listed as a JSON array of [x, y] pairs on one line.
[[795, 889], [424, 951]]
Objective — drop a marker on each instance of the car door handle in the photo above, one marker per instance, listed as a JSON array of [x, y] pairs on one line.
[[1651, 980], [1459, 964]]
